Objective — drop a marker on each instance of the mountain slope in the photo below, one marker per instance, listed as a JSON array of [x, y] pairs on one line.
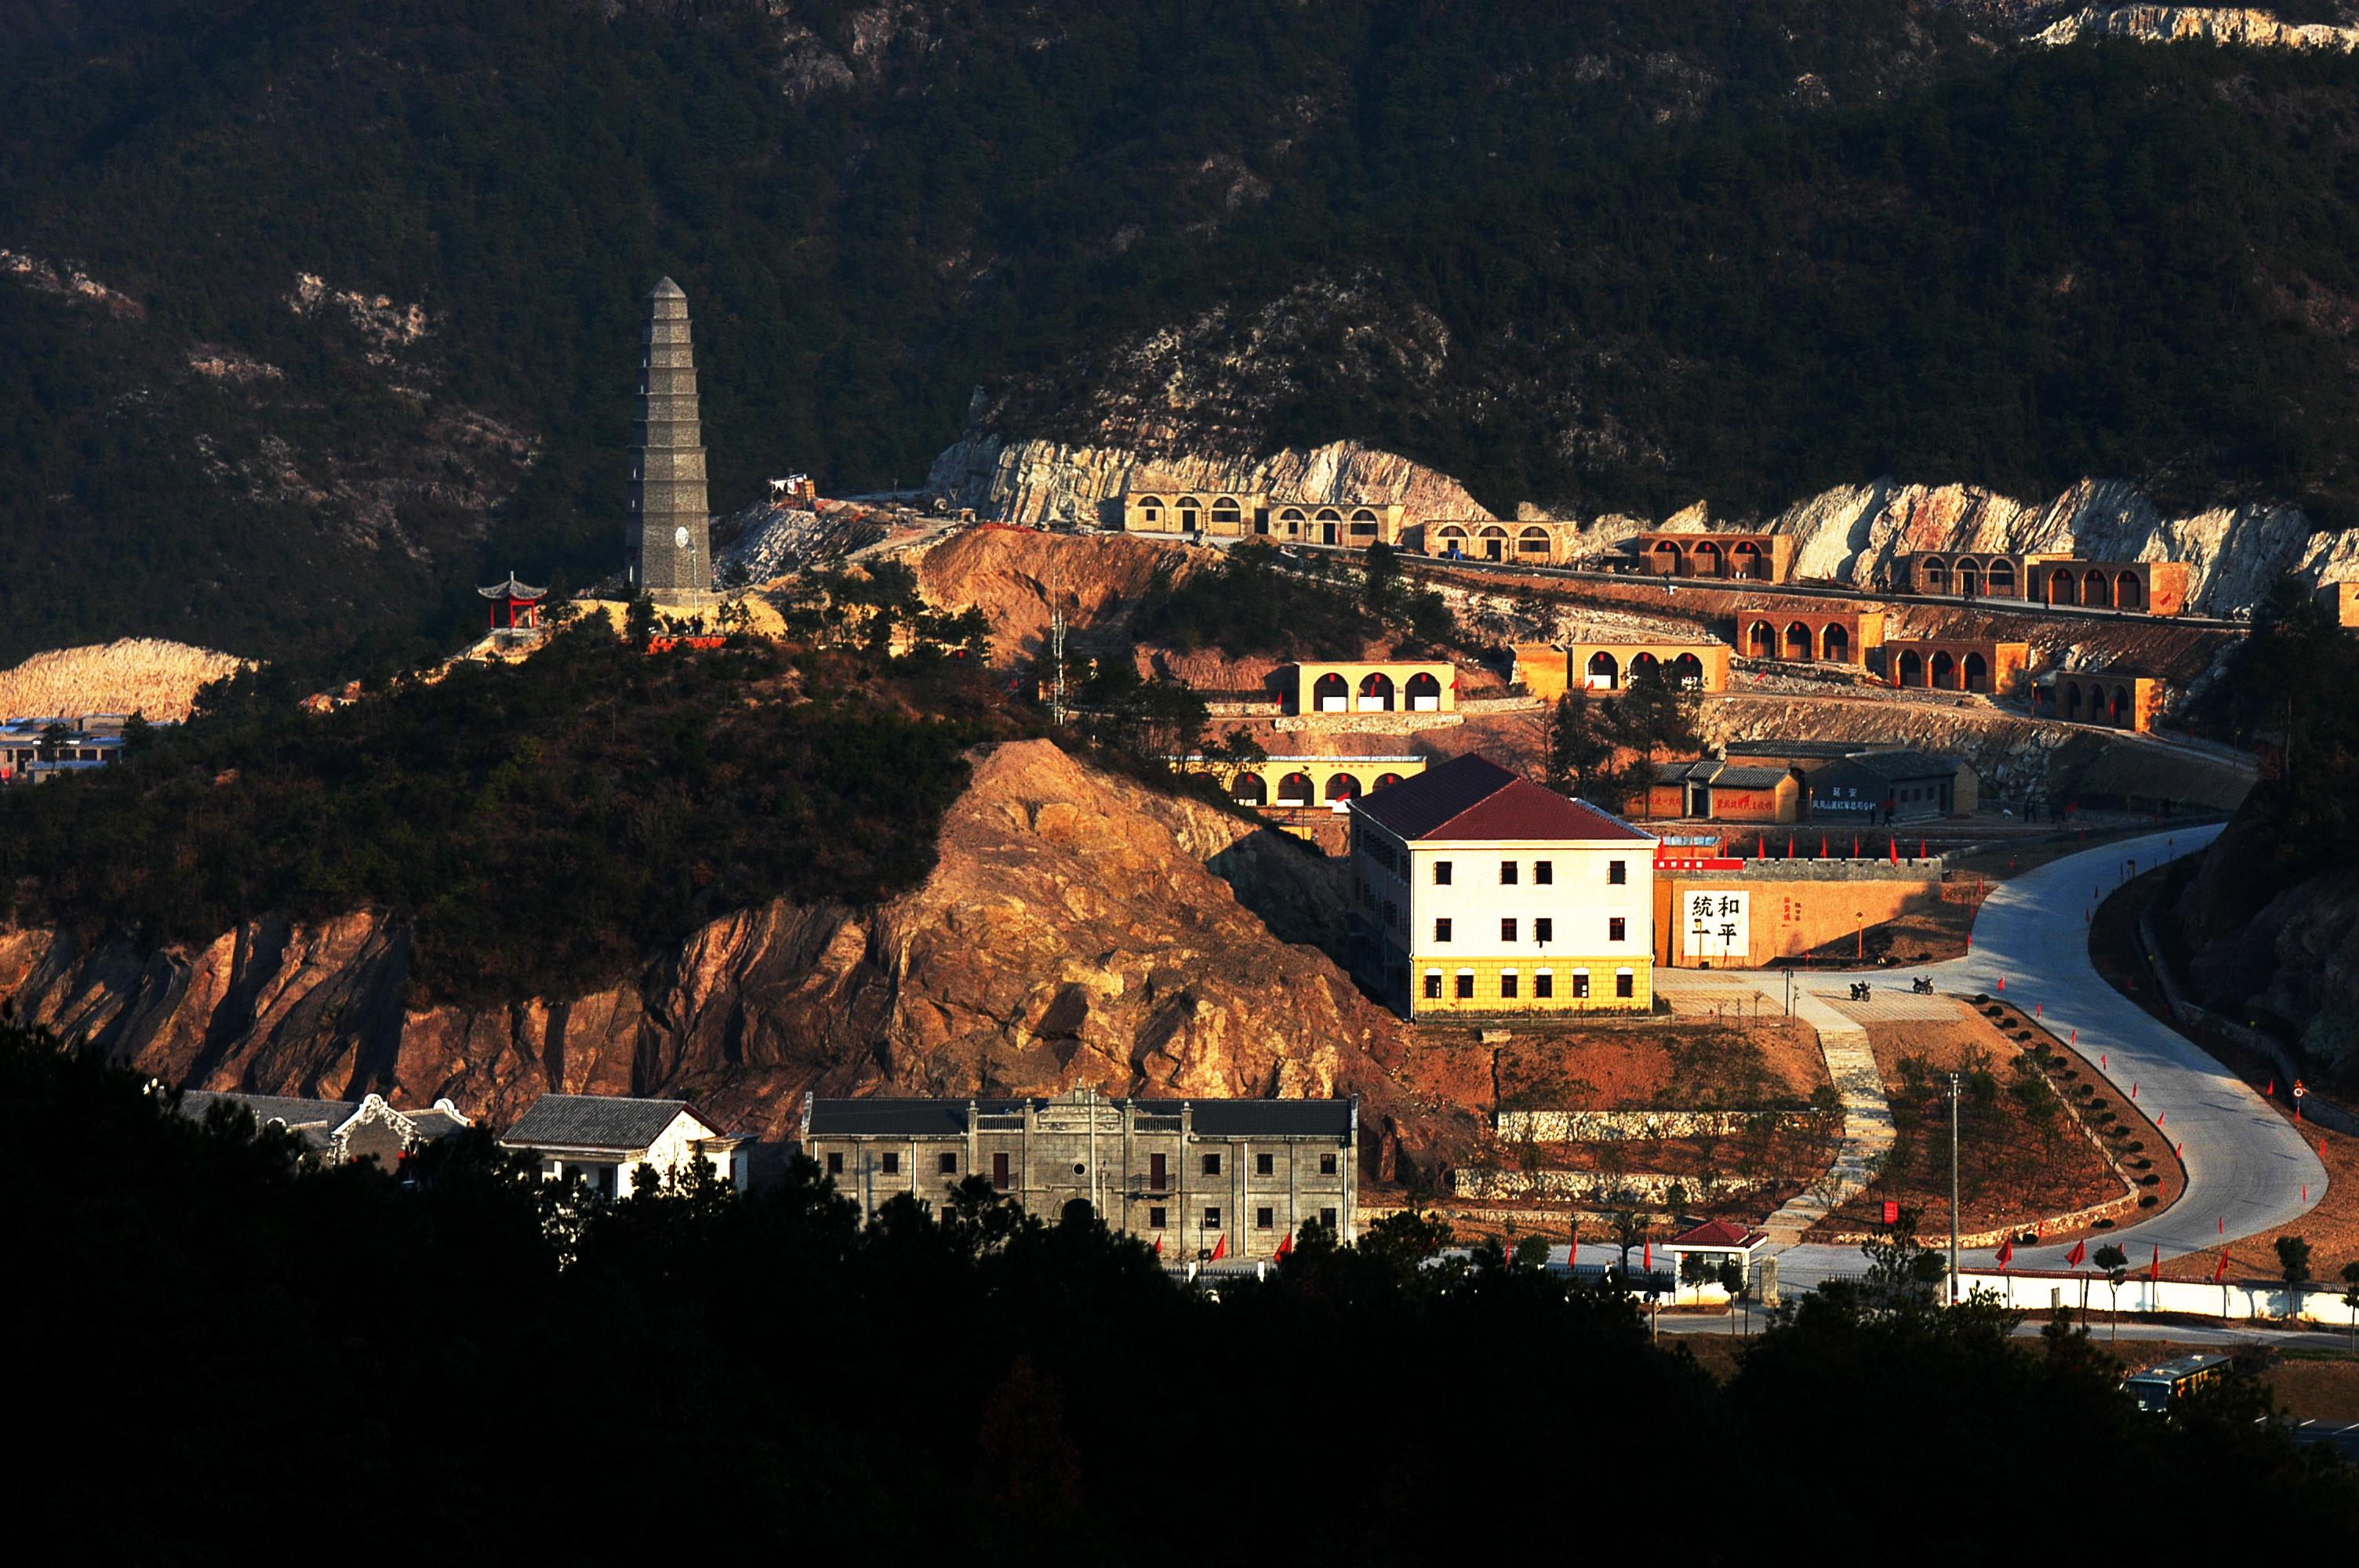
[[1595, 254]]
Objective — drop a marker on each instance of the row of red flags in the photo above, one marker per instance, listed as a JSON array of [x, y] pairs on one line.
[[1221, 1248], [2080, 1255]]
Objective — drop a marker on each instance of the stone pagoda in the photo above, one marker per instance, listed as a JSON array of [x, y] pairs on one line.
[[668, 545]]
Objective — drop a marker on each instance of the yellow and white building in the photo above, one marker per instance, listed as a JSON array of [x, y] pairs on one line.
[[1478, 893]]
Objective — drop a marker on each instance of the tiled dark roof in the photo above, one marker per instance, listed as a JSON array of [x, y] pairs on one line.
[[295, 1112], [1906, 764], [1793, 748], [894, 1117], [1474, 797], [1749, 778], [595, 1122]]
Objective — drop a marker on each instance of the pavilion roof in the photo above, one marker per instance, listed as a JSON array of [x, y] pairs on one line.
[[511, 589]]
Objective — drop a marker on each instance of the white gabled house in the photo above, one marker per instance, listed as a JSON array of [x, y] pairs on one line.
[[339, 1130], [603, 1141]]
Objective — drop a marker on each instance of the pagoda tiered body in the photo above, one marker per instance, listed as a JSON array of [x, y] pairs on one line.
[[670, 550]]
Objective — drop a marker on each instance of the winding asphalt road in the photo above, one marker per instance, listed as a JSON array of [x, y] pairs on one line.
[[2247, 1169]]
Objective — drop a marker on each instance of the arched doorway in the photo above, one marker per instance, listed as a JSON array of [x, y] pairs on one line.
[[1532, 544], [1249, 790], [1290, 523], [1330, 526], [1424, 693], [1978, 673], [1834, 646], [1226, 513], [1944, 674], [1341, 786], [1708, 559], [1798, 642], [2097, 590], [2001, 577], [1451, 540], [1382, 780], [1605, 675], [2073, 701], [1645, 664], [1912, 668], [1150, 514], [1330, 694], [2060, 587], [1687, 673], [1937, 575], [1970, 580], [1664, 558], [1760, 642], [1077, 1212], [1376, 692], [1192, 514], [1363, 526], [2122, 709], [2127, 594], [1745, 557], [1294, 789], [1494, 544]]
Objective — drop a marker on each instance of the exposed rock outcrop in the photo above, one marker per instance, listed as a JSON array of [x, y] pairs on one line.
[[2288, 954], [148, 676], [1047, 482], [1077, 930], [2240, 25]]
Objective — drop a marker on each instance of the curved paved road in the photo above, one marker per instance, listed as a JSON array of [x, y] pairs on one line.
[[2246, 1165]]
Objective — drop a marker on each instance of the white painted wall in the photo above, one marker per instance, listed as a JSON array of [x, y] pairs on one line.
[[1581, 900], [2238, 1301]]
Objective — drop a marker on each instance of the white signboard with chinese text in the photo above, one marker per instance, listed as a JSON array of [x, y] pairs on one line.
[[1715, 924]]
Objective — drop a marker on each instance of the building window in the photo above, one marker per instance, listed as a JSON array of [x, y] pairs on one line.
[[1327, 1218], [1465, 985], [1544, 873], [1618, 871], [1441, 873], [1442, 929], [1625, 984], [1326, 1164], [999, 1179], [1507, 873], [1617, 929], [1155, 1219], [1159, 1175], [1507, 930], [835, 1164], [1543, 929], [1433, 985], [1264, 1164], [1543, 985], [1211, 1164], [1212, 1219], [889, 1164], [948, 1163], [1507, 985], [1264, 1219], [1580, 985]]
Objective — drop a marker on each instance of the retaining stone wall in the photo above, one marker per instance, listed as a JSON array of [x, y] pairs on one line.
[[1615, 1126], [1593, 1185]]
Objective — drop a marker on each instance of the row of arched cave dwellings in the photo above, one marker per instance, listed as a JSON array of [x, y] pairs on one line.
[[1298, 788], [1378, 693], [1684, 673], [1971, 577], [1358, 526]]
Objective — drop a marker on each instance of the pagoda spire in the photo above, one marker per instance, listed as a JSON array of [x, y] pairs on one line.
[[667, 542]]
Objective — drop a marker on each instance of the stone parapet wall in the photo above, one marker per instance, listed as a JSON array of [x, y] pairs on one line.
[[1646, 1187], [1395, 723], [1618, 1126]]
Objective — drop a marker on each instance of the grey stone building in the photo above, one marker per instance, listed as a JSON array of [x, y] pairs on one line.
[[1189, 1173], [667, 542]]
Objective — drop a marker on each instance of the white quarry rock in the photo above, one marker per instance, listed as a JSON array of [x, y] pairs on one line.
[[2201, 24]]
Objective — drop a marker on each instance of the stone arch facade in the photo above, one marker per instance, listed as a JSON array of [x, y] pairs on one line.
[[1746, 557], [1801, 636], [1964, 664], [2117, 700]]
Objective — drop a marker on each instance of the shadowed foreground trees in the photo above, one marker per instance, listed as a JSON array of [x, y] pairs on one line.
[[348, 1355]]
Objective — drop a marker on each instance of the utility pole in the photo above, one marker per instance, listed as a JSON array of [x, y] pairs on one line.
[[1953, 1189]]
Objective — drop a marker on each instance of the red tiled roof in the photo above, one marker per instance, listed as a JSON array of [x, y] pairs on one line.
[[1474, 797], [1720, 1232]]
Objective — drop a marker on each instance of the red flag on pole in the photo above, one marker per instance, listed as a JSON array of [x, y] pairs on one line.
[[2153, 1270], [1896, 851], [1647, 1258], [1221, 1248], [1285, 1245], [1921, 848], [1159, 1247], [1763, 852], [2219, 1274], [2078, 1256], [1823, 846], [2006, 1251]]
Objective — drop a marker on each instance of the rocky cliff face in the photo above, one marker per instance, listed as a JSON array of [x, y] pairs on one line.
[[2290, 956], [2244, 26], [1078, 930], [1048, 482]]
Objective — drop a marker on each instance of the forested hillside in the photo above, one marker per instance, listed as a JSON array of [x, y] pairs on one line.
[[1593, 254]]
